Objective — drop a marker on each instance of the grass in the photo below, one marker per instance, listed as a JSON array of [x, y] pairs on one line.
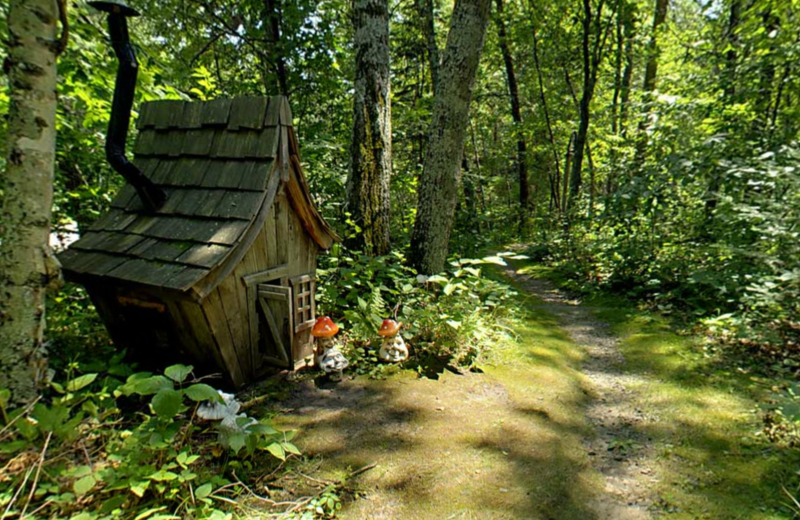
[[712, 463]]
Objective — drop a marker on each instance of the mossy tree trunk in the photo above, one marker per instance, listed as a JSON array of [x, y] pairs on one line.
[[26, 264], [371, 147], [438, 190]]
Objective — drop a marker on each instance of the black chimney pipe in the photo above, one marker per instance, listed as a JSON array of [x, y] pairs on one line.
[[152, 196]]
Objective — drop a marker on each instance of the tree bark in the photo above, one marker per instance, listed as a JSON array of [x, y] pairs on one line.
[[585, 104], [516, 112], [732, 55], [425, 10], [629, 34], [438, 190], [766, 80], [27, 266], [555, 180], [650, 74], [273, 26], [371, 147]]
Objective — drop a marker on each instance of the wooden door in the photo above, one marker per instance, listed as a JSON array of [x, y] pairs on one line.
[[276, 329]]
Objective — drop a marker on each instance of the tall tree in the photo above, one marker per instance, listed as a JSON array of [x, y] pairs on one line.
[[732, 54], [371, 146], [592, 54], [628, 13], [516, 112], [425, 10], [438, 190], [650, 73], [273, 28], [27, 266]]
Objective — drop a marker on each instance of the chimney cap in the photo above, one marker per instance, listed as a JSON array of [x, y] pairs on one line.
[[114, 7]]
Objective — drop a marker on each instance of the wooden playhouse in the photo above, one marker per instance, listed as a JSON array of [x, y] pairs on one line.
[[224, 273]]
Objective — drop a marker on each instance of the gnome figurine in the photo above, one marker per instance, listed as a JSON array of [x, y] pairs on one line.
[[393, 348], [329, 359]]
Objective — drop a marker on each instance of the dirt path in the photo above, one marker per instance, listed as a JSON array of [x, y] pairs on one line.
[[547, 432], [619, 452]]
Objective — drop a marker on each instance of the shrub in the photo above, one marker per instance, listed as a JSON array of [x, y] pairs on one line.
[[450, 316], [104, 448]]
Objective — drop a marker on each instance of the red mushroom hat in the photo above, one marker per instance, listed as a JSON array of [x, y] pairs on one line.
[[389, 328], [324, 327]]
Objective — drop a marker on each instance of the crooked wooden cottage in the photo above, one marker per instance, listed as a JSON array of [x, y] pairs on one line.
[[224, 272]]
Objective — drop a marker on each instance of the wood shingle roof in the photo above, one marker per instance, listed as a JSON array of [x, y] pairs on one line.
[[216, 161]]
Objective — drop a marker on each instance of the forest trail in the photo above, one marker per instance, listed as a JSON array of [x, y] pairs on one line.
[[555, 428], [619, 452]]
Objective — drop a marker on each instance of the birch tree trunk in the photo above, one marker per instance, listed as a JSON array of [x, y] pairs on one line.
[[26, 265], [438, 190], [371, 146]]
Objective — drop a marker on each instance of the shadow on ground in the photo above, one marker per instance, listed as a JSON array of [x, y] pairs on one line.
[[503, 444]]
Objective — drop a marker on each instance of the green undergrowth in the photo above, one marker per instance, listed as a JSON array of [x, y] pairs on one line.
[[119, 444], [448, 319], [714, 459]]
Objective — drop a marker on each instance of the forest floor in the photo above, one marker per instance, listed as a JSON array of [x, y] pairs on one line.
[[594, 412]]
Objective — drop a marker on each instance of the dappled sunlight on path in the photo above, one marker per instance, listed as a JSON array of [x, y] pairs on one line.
[[559, 426], [504, 444]]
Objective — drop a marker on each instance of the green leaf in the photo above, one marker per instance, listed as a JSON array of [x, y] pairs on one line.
[[178, 372], [139, 488], [149, 513], [112, 503], [455, 324], [450, 288], [290, 448], [494, 260], [203, 392], [163, 475], [167, 403], [438, 279], [277, 450], [237, 441], [152, 385], [84, 485], [80, 382], [203, 491]]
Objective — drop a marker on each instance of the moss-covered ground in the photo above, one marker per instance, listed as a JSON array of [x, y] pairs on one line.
[[506, 443]]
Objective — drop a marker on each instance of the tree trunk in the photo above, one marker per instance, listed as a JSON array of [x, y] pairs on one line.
[[26, 265], [650, 73], [732, 55], [425, 10], [586, 100], [274, 34], [629, 34], [371, 147], [555, 180], [438, 190], [766, 80], [516, 112]]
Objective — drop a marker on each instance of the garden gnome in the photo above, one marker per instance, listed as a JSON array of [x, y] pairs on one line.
[[393, 348], [329, 358]]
